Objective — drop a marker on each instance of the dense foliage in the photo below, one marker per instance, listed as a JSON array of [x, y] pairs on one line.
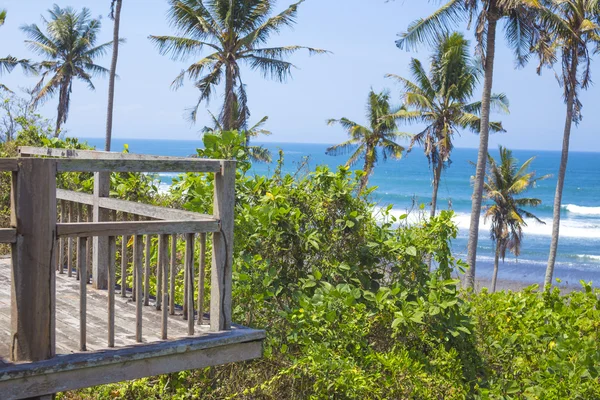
[[351, 311]]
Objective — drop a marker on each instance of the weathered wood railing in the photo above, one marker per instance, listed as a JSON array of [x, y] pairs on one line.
[[53, 230]]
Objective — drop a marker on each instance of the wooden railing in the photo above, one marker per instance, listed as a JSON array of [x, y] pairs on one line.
[[53, 230]]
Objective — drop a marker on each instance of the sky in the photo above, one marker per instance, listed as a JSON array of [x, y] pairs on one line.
[[360, 34]]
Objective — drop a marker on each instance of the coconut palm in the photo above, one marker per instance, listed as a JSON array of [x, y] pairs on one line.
[[519, 17], [115, 14], [507, 213], [235, 32], [440, 101], [366, 142], [571, 34], [8, 63], [69, 46]]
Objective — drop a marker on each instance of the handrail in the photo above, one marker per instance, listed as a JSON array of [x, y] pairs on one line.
[[9, 164], [174, 165], [129, 228], [101, 155], [8, 235]]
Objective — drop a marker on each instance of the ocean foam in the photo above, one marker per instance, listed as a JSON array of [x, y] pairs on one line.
[[575, 209], [572, 228], [589, 257]]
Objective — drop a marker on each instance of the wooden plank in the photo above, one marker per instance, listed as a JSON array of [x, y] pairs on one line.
[[146, 210], [82, 370], [61, 241], [112, 258], [201, 272], [132, 207], [138, 257], [161, 165], [77, 197], [124, 261], [103, 155], [221, 272], [82, 268], [189, 266], [70, 243], [147, 270], [9, 164], [163, 255], [78, 247], [8, 235], [135, 228], [172, 274], [33, 205]]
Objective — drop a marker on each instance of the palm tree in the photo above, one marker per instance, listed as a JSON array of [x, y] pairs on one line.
[[115, 14], [8, 63], [235, 32], [519, 16], [365, 141], [504, 182], [571, 27], [440, 101], [69, 45]]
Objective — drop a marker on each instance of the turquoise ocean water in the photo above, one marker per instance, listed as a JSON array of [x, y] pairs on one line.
[[399, 182]]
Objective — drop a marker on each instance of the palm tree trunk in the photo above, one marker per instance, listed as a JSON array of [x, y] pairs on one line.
[[437, 173], [562, 170], [367, 168], [229, 99], [63, 106], [113, 73], [483, 150], [496, 260]]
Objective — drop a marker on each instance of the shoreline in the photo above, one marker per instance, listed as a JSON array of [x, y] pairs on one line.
[[517, 286]]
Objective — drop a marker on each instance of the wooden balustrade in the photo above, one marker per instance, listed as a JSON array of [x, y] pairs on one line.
[[136, 236], [89, 235]]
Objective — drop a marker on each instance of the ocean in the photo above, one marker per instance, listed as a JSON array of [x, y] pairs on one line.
[[401, 182]]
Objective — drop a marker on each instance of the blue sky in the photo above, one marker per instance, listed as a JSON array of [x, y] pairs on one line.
[[359, 33]]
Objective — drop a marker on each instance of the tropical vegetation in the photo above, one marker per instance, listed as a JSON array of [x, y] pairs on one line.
[[69, 46], [441, 99], [235, 32], [507, 212], [369, 143]]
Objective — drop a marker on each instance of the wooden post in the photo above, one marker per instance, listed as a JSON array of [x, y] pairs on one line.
[[147, 271], [124, 261], [82, 268], [201, 270], [189, 267], [163, 265], [70, 244], [138, 257], [112, 257], [78, 241], [100, 244], [61, 249], [33, 214], [172, 273], [221, 273]]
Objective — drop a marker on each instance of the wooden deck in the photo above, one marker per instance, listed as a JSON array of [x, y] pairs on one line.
[[153, 356]]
